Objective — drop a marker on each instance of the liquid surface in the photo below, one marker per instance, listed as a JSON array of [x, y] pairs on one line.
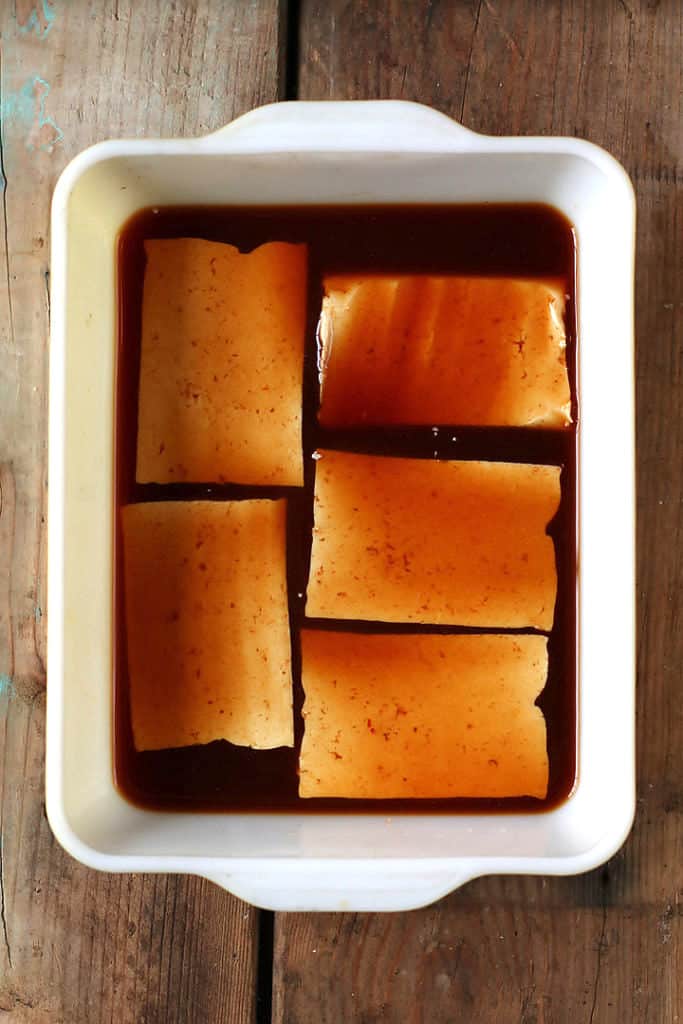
[[488, 239]]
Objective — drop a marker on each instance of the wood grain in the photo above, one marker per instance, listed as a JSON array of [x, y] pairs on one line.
[[607, 946], [78, 946]]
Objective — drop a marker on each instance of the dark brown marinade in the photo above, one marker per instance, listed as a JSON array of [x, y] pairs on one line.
[[491, 239]]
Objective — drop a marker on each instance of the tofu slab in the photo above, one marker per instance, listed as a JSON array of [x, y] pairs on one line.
[[423, 716], [416, 540], [221, 365], [443, 350], [207, 623]]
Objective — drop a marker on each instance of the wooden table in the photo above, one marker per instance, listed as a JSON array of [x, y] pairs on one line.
[[78, 946]]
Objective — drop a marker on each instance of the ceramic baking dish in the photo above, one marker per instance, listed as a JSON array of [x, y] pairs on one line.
[[295, 153]]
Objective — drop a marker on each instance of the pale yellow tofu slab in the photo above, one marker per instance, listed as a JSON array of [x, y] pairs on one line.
[[452, 350], [416, 540], [221, 368], [207, 623], [390, 716]]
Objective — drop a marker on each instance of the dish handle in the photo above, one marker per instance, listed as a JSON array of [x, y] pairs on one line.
[[357, 125], [343, 885]]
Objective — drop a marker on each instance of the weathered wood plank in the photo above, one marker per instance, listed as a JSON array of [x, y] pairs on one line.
[[467, 960], [77, 946], [606, 946]]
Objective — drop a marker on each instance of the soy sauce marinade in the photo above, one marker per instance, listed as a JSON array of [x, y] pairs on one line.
[[487, 239]]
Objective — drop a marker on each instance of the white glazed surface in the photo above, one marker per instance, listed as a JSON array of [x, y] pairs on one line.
[[326, 153]]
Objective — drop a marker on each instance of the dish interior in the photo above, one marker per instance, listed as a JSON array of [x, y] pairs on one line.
[[523, 240]]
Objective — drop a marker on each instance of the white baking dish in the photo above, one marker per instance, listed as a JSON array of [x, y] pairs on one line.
[[327, 153]]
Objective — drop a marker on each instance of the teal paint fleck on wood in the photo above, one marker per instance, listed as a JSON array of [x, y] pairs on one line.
[[41, 19], [27, 107]]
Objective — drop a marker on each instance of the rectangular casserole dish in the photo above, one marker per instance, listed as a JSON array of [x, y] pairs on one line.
[[326, 153]]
